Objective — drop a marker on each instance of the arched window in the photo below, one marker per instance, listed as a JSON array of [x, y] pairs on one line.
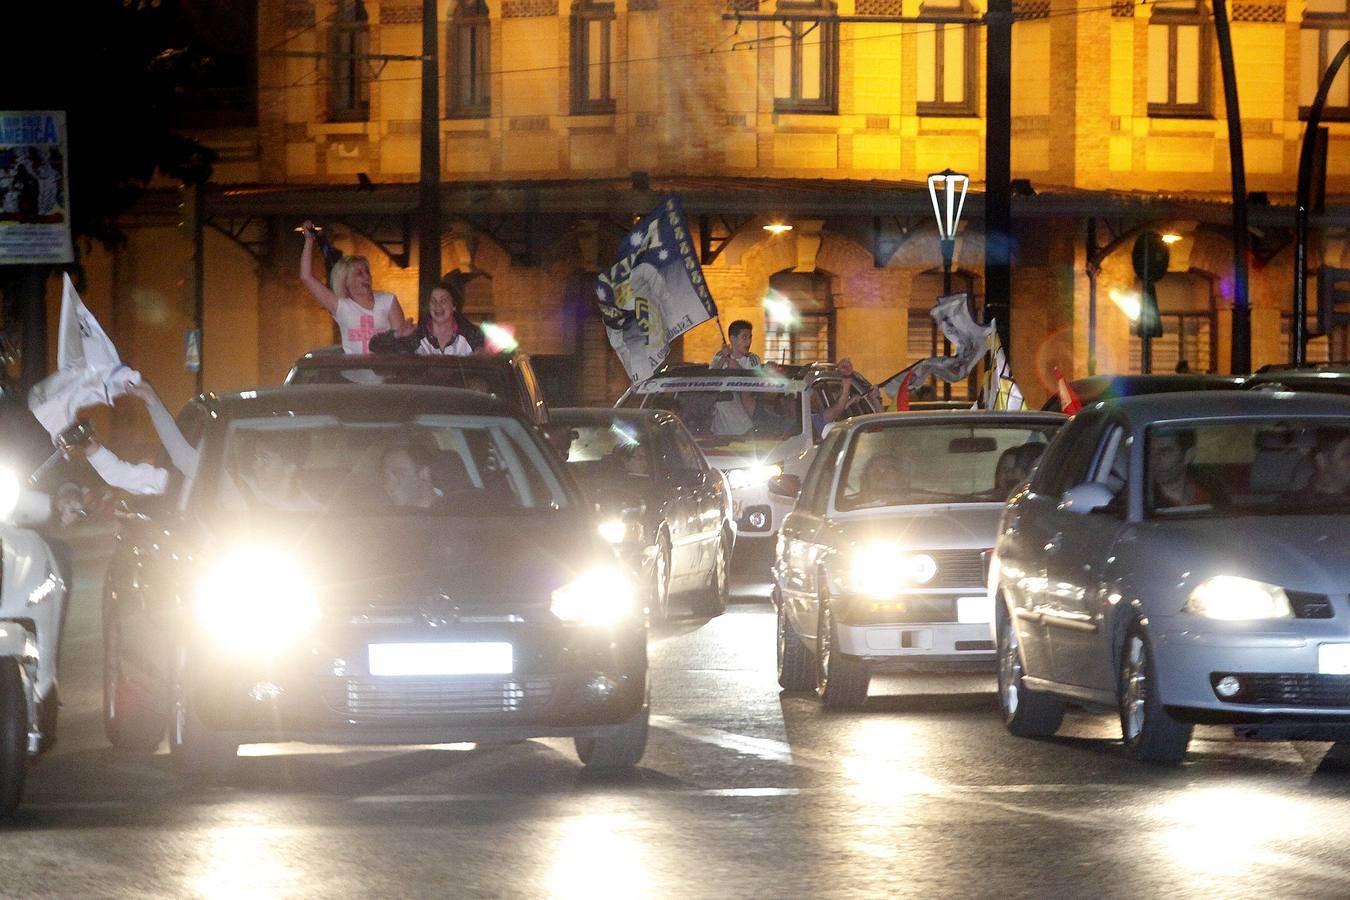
[[1178, 59], [349, 70], [1326, 27], [469, 94]]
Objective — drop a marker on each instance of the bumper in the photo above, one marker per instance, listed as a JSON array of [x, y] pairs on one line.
[[1273, 672], [565, 681], [756, 513], [935, 646]]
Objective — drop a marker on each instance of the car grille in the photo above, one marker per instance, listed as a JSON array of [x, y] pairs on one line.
[[957, 569], [1310, 606], [1288, 689], [408, 697], [906, 611]]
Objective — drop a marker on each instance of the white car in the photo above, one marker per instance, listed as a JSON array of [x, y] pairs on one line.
[[753, 425], [880, 566]]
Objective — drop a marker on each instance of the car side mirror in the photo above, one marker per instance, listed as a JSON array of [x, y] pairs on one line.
[[786, 485], [1087, 497]]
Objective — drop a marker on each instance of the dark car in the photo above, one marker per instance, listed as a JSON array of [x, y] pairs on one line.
[[370, 565], [1324, 378], [508, 375], [1108, 387], [665, 508]]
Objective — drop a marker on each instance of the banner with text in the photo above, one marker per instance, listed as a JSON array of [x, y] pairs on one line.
[[655, 292], [34, 189]]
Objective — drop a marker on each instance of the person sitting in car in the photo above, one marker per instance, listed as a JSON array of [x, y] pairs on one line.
[[1331, 464], [406, 471], [885, 480], [1172, 483], [269, 471], [1014, 466]]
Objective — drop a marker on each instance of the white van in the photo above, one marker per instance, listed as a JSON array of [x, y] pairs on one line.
[[753, 424]]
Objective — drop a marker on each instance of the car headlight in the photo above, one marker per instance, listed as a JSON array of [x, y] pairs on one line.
[[256, 598], [1237, 599], [882, 570], [615, 531], [752, 476], [600, 596], [9, 492]]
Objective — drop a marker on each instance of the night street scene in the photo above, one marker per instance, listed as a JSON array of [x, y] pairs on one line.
[[675, 448]]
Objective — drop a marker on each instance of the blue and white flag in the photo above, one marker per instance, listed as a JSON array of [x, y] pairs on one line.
[[655, 292]]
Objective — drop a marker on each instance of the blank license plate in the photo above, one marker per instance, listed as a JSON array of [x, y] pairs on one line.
[[475, 658], [1333, 659]]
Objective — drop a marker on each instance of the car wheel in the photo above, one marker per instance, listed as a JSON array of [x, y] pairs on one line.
[[660, 610], [197, 751], [13, 735], [1150, 734], [794, 662], [713, 600], [132, 719], [619, 747], [1026, 713], [841, 681]]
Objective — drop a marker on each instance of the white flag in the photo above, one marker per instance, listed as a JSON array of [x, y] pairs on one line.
[[967, 337], [88, 370]]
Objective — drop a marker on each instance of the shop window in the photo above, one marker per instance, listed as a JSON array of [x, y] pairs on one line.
[[946, 62], [592, 58], [1178, 61], [1326, 28], [349, 70], [806, 60], [470, 92]]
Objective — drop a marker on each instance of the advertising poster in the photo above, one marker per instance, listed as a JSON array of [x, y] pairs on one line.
[[34, 190]]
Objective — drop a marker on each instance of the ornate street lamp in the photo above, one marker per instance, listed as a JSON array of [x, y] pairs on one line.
[[947, 190]]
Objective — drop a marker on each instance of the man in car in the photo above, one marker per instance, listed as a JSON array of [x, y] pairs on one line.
[[1331, 464], [407, 478], [1169, 458], [885, 480], [737, 414]]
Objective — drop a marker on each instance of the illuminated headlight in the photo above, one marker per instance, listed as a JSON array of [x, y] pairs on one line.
[[883, 570], [9, 492], [752, 475], [615, 531], [256, 599], [1236, 599], [600, 596]]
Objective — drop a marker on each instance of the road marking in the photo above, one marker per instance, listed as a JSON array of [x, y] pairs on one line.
[[762, 748]]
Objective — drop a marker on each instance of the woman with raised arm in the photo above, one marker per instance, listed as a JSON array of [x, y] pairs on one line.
[[359, 311]]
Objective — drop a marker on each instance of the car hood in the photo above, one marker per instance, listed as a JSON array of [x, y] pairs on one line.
[[963, 526], [1302, 553], [483, 560]]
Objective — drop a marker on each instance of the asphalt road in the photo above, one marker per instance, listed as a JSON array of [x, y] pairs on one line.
[[744, 791]]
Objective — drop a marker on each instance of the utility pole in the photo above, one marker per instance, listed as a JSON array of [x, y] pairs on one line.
[[998, 168], [429, 183], [1242, 312]]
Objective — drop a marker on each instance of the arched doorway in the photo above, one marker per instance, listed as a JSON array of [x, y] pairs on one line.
[[808, 333]]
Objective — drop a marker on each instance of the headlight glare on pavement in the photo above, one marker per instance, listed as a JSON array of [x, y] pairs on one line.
[[600, 596], [256, 598], [1236, 599]]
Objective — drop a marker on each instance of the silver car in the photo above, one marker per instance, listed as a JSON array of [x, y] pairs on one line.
[[880, 566], [1184, 559]]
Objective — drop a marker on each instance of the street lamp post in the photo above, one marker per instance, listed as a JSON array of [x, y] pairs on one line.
[[947, 190]]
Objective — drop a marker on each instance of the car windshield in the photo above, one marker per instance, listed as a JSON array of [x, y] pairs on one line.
[[604, 451], [725, 421], [433, 374], [1277, 466], [899, 464], [428, 465]]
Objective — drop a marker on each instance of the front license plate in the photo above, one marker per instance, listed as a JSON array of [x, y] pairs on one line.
[[468, 658], [1333, 659]]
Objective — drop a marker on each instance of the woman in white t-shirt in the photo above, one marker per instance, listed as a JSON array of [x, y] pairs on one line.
[[359, 311]]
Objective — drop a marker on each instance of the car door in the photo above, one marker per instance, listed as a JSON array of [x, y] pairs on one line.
[[683, 488], [1074, 614], [801, 548], [1031, 535]]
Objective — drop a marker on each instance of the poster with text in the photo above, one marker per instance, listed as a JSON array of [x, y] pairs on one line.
[[34, 189]]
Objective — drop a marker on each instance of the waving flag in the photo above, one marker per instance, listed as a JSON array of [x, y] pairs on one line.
[[1068, 399], [969, 341], [655, 292], [88, 373], [1000, 391]]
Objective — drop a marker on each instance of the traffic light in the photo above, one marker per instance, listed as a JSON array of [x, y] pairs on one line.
[[1333, 298]]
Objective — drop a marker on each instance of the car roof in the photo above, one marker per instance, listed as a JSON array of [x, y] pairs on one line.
[[1304, 378], [599, 415], [960, 416], [352, 400], [803, 372], [1148, 408], [327, 357], [1098, 387]]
